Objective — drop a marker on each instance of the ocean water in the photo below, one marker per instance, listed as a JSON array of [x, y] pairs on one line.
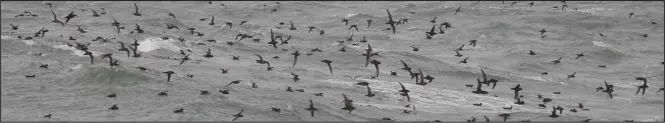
[[72, 89]]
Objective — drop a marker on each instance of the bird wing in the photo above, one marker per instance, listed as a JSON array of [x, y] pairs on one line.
[[403, 63], [400, 84], [484, 75], [433, 26], [408, 97], [272, 36], [345, 97], [291, 23], [260, 58], [55, 17], [136, 8]]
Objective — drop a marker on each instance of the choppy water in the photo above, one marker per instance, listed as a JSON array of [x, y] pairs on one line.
[[72, 89]]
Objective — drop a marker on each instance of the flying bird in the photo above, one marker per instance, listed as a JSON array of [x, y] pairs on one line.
[[168, 75], [69, 17], [369, 92], [295, 57], [642, 87], [464, 61], [407, 68], [457, 10], [239, 115], [557, 61], [404, 91], [328, 63], [233, 82], [293, 27], [376, 65], [310, 29], [391, 22], [14, 27], [458, 54], [136, 10], [579, 55], [295, 77], [208, 54], [311, 107], [55, 18], [367, 54]]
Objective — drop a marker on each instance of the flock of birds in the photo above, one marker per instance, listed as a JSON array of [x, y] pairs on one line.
[[419, 76]]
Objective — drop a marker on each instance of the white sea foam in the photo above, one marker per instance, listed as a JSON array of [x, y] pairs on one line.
[[155, 43]]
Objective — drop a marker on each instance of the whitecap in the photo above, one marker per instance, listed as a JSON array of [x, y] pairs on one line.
[[155, 43]]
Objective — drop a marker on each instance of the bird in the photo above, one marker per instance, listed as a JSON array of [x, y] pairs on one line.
[[642, 87], [208, 54], [295, 77], [294, 28], [460, 48], [464, 61], [310, 29], [14, 27], [233, 82], [111, 95], [517, 89], [295, 57], [272, 42], [80, 29], [114, 107], [239, 115], [431, 32], [229, 24], [181, 110], [369, 23], [376, 65], [391, 22], [505, 116], [630, 14], [571, 75], [168, 75], [69, 17], [369, 92], [458, 54], [55, 18], [182, 60], [609, 89], [328, 63], [542, 31], [353, 26], [407, 68], [136, 10], [348, 104], [404, 91], [557, 61], [172, 15], [367, 54], [531, 4], [473, 42], [89, 54], [531, 52], [433, 20], [479, 88], [48, 116], [224, 71], [212, 21], [311, 107], [579, 55], [457, 10]]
